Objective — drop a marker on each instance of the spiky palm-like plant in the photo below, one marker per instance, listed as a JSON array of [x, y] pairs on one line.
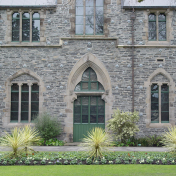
[[19, 139], [169, 139], [96, 142]]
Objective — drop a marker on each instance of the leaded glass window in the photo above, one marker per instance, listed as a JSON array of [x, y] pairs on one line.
[[159, 103], [15, 27], [89, 82], [26, 27], [157, 27], [89, 17], [24, 102], [36, 27], [89, 110]]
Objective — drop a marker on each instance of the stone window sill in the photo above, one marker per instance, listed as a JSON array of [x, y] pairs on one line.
[[157, 43], [12, 125], [159, 125]]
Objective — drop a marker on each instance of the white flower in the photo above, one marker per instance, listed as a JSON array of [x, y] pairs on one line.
[[110, 162], [148, 157], [164, 159]]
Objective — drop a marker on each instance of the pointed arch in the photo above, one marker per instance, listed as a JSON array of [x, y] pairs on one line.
[[17, 78], [88, 60]]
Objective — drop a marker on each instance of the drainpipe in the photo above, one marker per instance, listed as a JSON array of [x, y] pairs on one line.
[[133, 16]]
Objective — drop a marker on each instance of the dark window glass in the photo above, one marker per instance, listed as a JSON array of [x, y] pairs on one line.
[[14, 102], [25, 27], [36, 27], [152, 27], [162, 27], [15, 26]]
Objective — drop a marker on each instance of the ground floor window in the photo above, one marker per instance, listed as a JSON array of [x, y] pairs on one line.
[[159, 103], [89, 109], [24, 102]]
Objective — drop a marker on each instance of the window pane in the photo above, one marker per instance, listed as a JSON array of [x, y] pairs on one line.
[[100, 109], [14, 96], [16, 15], [164, 106], [154, 87], [85, 76], [15, 35], [16, 24], [100, 118], [77, 110], [25, 87], [78, 101], [15, 87], [79, 2], [14, 116], [79, 11], [35, 96], [85, 86], [92, 118], [24, 116], [100, 101], [100, 87], [35, 87], [93, 109], [90, 29], [99, 2], [33, 115], [79, 20], [164, 97], [154, 117], [154, 106], [162, 35], [99, 25], [90, 20], [162, 17], [90, 11], [152, 26], [36, 15], [152, 17], [25, 27], [152, 35], [164, 87], [25, 35], [154, 97], [24, 96], [162, 26], [24, 106], [14, 106], [165, 116], [35, 30], [93, 100], [25, 15], [84, 118], [77, 118], [93, 76], [90, 3], [79, 29], [35, 106], [85, 110], [93, 86], [99, 11], [78, 87]]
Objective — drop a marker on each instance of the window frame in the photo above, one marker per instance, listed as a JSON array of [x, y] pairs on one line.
[[20, 84]]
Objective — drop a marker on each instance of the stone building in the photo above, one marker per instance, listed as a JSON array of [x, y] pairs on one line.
[[80, 59]]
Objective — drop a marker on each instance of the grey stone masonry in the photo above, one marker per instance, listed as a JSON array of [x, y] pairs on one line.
[[52, 62]]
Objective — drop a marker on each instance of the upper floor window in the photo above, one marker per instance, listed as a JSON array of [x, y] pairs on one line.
[[25, 27], [157, 27], [89, 17]]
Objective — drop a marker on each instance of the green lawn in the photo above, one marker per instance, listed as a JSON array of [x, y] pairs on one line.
[[89, 170]]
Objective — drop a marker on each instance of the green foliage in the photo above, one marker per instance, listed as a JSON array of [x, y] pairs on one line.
[[48, 126], [123, 124], [20, 137], [154, 141], [169, 139], [96, 142], [51, 142]]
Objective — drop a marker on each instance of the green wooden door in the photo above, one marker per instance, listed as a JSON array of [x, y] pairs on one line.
[[89, 112]]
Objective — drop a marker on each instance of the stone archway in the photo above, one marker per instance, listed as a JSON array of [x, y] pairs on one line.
[[89, 60]]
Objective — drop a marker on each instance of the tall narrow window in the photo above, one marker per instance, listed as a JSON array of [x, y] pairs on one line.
[[162, 27], [157, 27], [36, 27], [159, 103], [89, 17], [15, 27], [24, 103], [164, 103], [14, 102], [25, 27], [34, 101]]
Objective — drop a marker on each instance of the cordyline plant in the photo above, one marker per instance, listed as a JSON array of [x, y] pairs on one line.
[[20, 139], [123, 124], [169, 140], [96, 142]]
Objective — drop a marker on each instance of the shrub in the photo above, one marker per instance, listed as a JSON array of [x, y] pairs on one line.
[[154, 141], [96, 142], [123, 124], [51, 142], [48, 126], [169, 139]]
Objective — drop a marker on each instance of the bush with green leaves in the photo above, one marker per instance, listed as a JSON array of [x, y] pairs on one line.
[[123, 124], [48, 126], [51, 142]]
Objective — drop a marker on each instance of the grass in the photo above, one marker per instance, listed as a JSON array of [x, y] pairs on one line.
[[93, 170]]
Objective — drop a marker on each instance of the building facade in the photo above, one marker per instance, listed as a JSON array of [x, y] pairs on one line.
[[79, 60]]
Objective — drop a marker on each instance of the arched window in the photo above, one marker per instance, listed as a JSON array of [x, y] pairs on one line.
[[89, 82]]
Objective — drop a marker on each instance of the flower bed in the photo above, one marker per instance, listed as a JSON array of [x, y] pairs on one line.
[[79, 158]]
